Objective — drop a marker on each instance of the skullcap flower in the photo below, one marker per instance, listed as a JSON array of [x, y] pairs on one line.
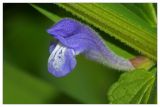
[[76, 38]]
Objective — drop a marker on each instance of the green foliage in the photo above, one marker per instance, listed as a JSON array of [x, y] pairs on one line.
[[51, 16], [132, 87], [26, 47], [143, 10]]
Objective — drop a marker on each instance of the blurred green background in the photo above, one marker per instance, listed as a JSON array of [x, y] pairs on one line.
[[26, 79]]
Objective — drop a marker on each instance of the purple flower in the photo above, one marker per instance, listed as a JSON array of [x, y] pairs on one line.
[[75, 38]]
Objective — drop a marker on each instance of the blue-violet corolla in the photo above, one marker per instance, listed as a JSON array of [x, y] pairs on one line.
[[75, 38]]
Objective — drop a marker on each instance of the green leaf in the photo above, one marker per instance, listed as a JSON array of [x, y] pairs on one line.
[[150, 12], [51, 16], [152, 97], [120, 23], [151, 87], [153, 94], [143, 94], [147, 95], [143, 10], [131, 87]]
